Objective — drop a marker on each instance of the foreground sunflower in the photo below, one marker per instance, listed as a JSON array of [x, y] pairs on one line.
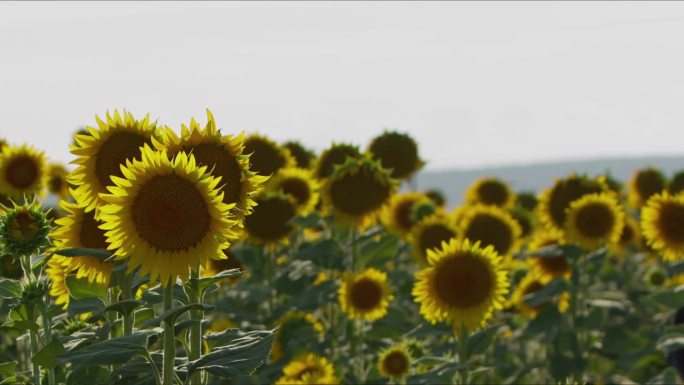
[[398, 152], [57, 270], [57, 180], [357, 190], [308, 369], [23, 171], [398, 214], [662, 225], [167, 216], [335, 155], [490, 192], [300, 184], [464, 284], [266, 156], [102, 153], [365, 295], [546, 266], [644, 184], [554, 201], [270, 221], [395, 362], [490, 225], [531, 284], [303, 156], [223, 155], [595, 220], [429, 233]]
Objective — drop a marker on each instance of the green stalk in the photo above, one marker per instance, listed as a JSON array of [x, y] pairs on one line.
[[354, 236], [463, 355], [169, 338], [574, 305], [127, 294], [47, 329], [195, 334], [35, 369]]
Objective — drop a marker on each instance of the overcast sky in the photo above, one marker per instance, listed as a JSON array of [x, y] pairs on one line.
[[475, 83]]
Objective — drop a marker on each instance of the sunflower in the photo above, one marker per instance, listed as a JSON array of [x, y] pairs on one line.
[[530, 284], [629, 236], [215, 266], [3, 143], [294, 328], [395, 361], [397, 152], [611, 183], [57, 180], [24, 229], [104, 151], [23, 171], [334, 156], [167, 216], [10, 267], [224, 156], [303, 156], [525, 219], [300, 184], [397, 215], [551, 267], [308, 369], [357, 191], [662, 224], [644, 184], [365, 295], [677, 183], [429, 233], [594, 221], [490, 225], [80, 229], [527, 200], [554, 201], [57, 270], [436, 196], [267, 157], [270, 221], [490, 192], [464, 284]]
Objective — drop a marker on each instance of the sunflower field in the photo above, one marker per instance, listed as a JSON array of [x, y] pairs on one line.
[[195, 256]]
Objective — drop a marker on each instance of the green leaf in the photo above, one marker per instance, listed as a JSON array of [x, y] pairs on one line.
[[479, 341], [154, 295], [46, 356], [546, 294], [8, 368], [110, 352], [548, 319], [100, 254], [93, 375], [671, 297], [175, 312], [205, 282], [608, 304], [375, 253], [21, 380], [80, 288], [125, 307], [551, 251], [86, 305], [10, 288], [311, 220], [326, 253], [237, 353]]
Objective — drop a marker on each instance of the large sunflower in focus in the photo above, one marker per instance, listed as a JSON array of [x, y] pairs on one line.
[[490, 192], [398, 214], [300, 184], [490, 225], [57, 270], [429, 233], [270, 221], [102, 153], [334, 156], [662, 224], [548, 266], [644, 184], [357, 190], [398, 152], [224, 156], [266, 156], [167, 216], [23, 171], [554, 201], [464, 284], [308, 370], [365, 295], [595, 220], [303, 156]]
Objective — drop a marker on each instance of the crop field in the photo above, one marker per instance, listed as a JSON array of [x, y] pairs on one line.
[[191, 255]]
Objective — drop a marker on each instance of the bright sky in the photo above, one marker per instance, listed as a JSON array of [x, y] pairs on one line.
[[486, 83]]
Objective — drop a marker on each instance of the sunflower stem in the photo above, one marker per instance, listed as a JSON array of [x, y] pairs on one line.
[[33, 336], [463, 355], [195, 335], [354, 236], [127, 294], [574, 305], [47, 329], [169, 338]]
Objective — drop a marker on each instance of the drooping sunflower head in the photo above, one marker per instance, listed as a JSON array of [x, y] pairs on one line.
[[527, 200], [24, 229], [79, 228], [530, 284], [357, 190], [429, 233], [57, 270], [395, 362], [397, 152], [167, 216], [464, 284], [525, 219], [266, 156], [303, 156], [270, 221], [436, 196], [215, 266], [102, 153], [223, 155], [490, 225], [57, 180], [23, 171], [554, 201], [662, 225], [300, 184], [677, 183], [365, 295], [645, 183], [595, 220], [297, 331], [334, 156], [548, 266], [309, 369], [397, 215], [490, 192]]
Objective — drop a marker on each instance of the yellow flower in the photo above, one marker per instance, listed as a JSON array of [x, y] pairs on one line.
[[593, 221], [464, 284], [365, 295], [397, 214], [308, 369], [644, 184], [429, 233], [267, 157], [300, 184], [57, 270], [394, 362], [437, 197], [553, 203], [22, 171], [396, 151], [295, 326], [303, 156], [662, 224], [270, 221], [532, 283], [57, 180], [490, 192], [525, 219], [490, 225], [102, 153], [333, 157], [549, 267], [629, 236], [167, 216], [215, 266]]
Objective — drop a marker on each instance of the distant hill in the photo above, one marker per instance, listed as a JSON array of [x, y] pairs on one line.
[[537, 177]]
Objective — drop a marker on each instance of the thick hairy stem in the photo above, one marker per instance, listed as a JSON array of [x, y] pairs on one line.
[[195, 335], [127, 294], [463, 355], [169, 337]]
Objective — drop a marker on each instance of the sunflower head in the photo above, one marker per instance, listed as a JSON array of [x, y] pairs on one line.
[[365, 295], [436, 196], [167, 216], [397, 215], [530, 284], [270, 221], [398, 152], [102, 153], [463, 285], [490, 192], [57, 270], [525, 219], [595, 220], [548, 266], [677, 183], [24, 229], [300, 184], [3, 143], [333, 157], [10, 267], [423, 209], [215, 266], [223, 155], [429, 233], [645, 183], [630, 236], [57, 180], [308, 369], [527, 200], [553, 202], [662, 224], [611, 183], [655, 276], [293, 328], [303, 156], [395, 362], [490, 225], [23, 171], [266, 156]]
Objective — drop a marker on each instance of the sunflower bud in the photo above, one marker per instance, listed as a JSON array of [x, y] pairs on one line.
[[32, 292], [24, 229]]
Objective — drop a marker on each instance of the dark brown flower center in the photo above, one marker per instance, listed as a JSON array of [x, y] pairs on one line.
[[21, 172], [396, 363], [365, 294], [114, 152], [491, 230], [432, 237], [493, 192], [221, 163], [463, 281], [595, 220], [270, 219], [298, 188], [358, 194], [265, 158], [671, 222]]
